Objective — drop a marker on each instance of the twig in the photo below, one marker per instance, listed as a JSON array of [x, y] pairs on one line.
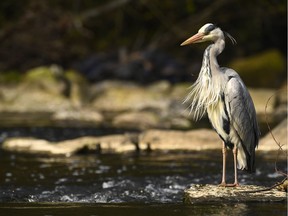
[[266, 189], [270, 131], [269, 128]]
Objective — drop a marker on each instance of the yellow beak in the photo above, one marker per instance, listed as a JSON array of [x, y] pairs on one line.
[[194, 39]]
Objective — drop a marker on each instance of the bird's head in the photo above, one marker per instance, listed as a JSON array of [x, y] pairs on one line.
[[208, 32]]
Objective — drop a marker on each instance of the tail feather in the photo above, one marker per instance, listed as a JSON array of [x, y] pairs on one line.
[[245, 160]]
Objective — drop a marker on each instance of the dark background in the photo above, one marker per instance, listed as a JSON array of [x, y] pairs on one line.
[[133, 40]]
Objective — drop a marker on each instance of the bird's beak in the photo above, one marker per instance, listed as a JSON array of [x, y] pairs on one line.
[[194, 39]]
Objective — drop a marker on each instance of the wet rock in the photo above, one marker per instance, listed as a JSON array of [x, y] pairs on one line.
[[267, 143], [201, 139], [105, 144], [198, 193]]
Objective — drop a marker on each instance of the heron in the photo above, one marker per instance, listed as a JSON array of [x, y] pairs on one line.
[[221, 93]]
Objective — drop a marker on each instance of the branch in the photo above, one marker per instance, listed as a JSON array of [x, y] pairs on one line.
[[276, 141]]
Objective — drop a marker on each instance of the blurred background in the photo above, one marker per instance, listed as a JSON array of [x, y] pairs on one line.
[[114, 70], [119, 60]]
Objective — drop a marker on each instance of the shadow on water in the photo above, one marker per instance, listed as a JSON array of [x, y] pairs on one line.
[[125, 184]]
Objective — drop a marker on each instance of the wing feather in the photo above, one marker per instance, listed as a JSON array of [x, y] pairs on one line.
[[242, 116]]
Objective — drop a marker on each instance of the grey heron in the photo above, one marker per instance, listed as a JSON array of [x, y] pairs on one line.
[[220, 92]]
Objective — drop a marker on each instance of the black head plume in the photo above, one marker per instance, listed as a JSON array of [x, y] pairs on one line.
[[233, 40]]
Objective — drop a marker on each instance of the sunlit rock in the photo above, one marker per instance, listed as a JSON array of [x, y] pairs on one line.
[[121, 96], [77, 118], [138, 120], [171, 140], [198, 193]]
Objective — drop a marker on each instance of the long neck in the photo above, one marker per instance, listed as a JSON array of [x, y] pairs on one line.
[[210, 64], [216, 49]]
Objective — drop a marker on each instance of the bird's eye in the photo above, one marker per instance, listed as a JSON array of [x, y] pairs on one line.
[[209, 29]]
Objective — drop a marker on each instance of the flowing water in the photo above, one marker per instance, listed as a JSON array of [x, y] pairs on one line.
[[146, 183]]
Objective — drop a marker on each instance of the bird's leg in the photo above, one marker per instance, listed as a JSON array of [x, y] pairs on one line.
[[235, 150], [235, 184], [224, 152]]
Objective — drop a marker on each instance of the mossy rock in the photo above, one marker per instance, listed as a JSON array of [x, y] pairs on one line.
[[78, 88], [39, 72], [266, 69], [45, 79]]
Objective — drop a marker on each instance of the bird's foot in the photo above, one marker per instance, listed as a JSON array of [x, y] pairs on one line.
[[224, 184], [233, 185]]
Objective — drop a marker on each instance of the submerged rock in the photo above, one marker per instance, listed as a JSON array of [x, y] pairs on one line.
[[198, 193]]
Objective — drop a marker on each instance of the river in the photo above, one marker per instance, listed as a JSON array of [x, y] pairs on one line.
[[135, 183]]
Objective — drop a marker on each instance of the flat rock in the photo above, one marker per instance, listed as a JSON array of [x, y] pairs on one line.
[[200, 139], [196, 140], [137, 119], [198, 193], [105, 144], [77, 118]]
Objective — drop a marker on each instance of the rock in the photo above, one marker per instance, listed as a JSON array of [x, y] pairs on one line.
[[60, 97], [201, 139], [39, 91], [78, 88], [267, 143], [195, 140], [120, 97], [140, 120], [265, 69], [77, 118], [198, 193], [105, 144]]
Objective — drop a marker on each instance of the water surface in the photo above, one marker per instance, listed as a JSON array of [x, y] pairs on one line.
[[105, 184]]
